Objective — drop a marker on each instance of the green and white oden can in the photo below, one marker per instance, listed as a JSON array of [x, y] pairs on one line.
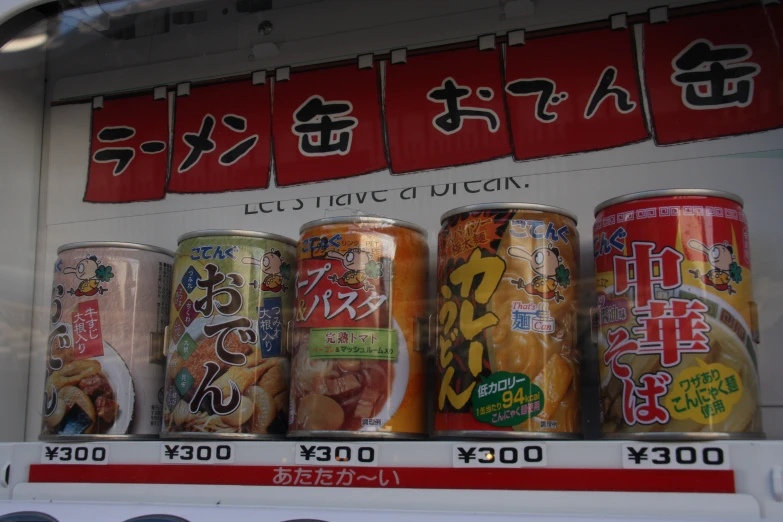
[[227, 372]]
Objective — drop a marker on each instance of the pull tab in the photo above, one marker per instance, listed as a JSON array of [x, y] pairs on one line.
[[158, 344], [754, 322], [288, 348], [595, 325], [422, 336], [433, 333]]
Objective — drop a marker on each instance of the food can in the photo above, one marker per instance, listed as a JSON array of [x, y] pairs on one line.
[[361, 316], [109, 309], [227, 371], [507, 357], [675, 316]]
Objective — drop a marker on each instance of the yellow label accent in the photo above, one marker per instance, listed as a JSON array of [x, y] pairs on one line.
[[705, 393]]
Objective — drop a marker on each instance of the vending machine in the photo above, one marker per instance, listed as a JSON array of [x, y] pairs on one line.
[[338, 260]]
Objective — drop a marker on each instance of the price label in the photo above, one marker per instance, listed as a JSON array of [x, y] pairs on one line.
[[502, 455], [337, 454], [203, 453], [676, 456], [75, 454]]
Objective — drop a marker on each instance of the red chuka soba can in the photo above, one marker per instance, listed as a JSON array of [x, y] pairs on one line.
[[507, 358], [360, 317], [676, 314]]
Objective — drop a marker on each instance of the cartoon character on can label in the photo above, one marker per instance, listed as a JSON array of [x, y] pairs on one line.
[[360, 269], [274, 268], [724, 266], [551, 273], [91, 274]]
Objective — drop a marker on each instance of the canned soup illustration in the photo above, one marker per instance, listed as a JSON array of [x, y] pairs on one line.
[[227, 372], [677, 319], [507, 357], [361, 296]]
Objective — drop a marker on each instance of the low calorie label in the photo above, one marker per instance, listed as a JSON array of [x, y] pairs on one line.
[[337, 454], [676, 456], [75, 454], [503, 455], [203, 453]]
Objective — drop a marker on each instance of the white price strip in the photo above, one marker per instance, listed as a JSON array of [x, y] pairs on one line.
[[502, 455], [75, 454], [676, 456], [201, 453], [336, 454]]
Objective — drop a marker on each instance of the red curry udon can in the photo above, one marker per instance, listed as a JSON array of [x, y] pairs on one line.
[[676, 316], [360, 315]]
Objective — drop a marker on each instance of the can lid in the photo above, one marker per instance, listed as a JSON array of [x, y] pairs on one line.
[[369, 219], [114, 244], [229, 232], [508, 206], [668, 192]]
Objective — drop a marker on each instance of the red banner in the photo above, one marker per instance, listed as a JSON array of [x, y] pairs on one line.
[[222, 139], [446, 109], [573, 93], [327, 125], [706, 76], [546, 479], [86, 330], [129, 151], [714, 75]]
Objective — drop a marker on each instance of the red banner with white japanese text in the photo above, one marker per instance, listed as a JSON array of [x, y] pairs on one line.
[[129, 156], [222, 139], [696, 77], [446, 109], [574, 93], [327, 125], [715, 75]]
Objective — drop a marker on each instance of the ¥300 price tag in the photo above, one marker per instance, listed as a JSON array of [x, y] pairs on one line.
[[336, 454], [202, 453], [676, 456], [502, 455], [75, 454]]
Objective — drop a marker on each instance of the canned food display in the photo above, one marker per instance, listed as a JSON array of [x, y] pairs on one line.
[[109, 309], [361, 310], [227, 371], [507, 357], [676, 314]]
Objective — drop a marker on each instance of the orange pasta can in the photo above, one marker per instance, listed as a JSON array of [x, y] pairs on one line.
[[360, 320], [507, 361]]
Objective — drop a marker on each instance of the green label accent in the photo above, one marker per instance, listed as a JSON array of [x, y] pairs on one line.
[[506, 399], [353, 343], [186, 346], [184, 381]]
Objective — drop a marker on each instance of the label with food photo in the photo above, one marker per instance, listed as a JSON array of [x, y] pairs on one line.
[[356, 364], [104, 370], [227, 371], [507, 359]]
